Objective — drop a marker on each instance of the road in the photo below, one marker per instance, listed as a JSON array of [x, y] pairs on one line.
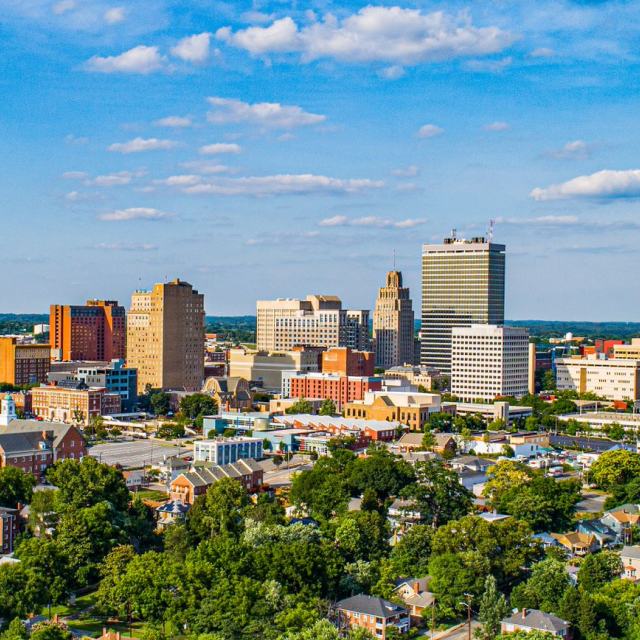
[[461, 633], [585, 443], [134, 454], [591, 503], [282, 477]]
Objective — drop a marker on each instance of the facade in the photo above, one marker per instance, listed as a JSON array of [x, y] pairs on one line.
[[115, 378], [95, 331], [462, 284], [73, 404], [340, 389], [24, 364], [9, 529], [266, 368], [416, 376], [529, 620], [193, 484], [318, 321], [613, 378], [227, 450], [630, 556], [165, 337], [412, 409], [393, 324], [345, 361], [489, 412], [489, 362], [375, 615], [413, 592], [229, 393], [622, 351]]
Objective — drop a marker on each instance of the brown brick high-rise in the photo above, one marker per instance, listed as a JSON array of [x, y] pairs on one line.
[[95, 331]]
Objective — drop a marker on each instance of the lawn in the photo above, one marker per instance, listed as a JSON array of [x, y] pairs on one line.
[[153, 494], [82, 603]]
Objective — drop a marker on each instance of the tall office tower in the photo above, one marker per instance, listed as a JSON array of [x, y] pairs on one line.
[[165, 337], [393, 325], [95, 331], [462, 284], [318, 321], [488, 362]]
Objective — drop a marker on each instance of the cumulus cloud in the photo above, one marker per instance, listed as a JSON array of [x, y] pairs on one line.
[[266, 114], [371, 221], [554, 221], [134, 213], [140, 59], [72, 195], [71, 139], [283, 185], [496, 126], [408, 172], [126, 246], [60, 8], [176, 122], [140, 144], [111, 180], [392, 73], [603, 184], [220, 147], [180, 181], [542, 53], [576, 150], [429, 131], [114, 15], [193, 48], [206, 167], [383, 34], [74, 175]]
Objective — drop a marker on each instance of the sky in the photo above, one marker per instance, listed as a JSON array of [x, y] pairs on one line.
[[278, 149]]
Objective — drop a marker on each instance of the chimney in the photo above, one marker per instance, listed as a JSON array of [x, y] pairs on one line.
[[104, 632], [416, 587], [524, 614], [117, 635], [55, 618]]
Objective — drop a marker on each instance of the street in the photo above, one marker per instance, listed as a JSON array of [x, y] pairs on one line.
[[585, 443], [591, 503], [135, 453]]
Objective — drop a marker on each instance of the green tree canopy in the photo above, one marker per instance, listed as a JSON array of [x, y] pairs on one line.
[[493, 609], [328, 408], [615, 468], [16, 487], [198, 404], [302, 406]]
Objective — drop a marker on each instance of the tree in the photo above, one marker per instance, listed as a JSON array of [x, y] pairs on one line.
[[161, 403], [528, 635], [384, 472], [198, 404], [548, 381], [328, 408], [616, 431], [493, 609], [16, 487], [437, 495], [411, 554], [225, 503], [302, 406], [428, 441], [505, 476], [598, 570], [15, 631], [51, 631], [440, 422], [614, 468], [497, 425], [544, 589], [78, 416]]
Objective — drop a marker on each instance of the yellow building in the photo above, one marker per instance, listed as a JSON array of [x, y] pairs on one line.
[[23, 364], [165, 337], [627, 351]]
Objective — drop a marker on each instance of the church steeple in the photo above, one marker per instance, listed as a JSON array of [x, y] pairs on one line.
[[8, 412]]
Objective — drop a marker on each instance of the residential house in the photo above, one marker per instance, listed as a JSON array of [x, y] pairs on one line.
[[630, 556], [171, 512], [621, 519], [376, 615], [414, 593], [413, 441], [529, 620], [135, 480], [577, 544], [546, 540], [604, 534]]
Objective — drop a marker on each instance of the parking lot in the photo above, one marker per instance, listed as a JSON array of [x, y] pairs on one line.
[[134, 454]]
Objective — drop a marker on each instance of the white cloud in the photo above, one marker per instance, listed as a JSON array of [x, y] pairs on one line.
[[63, 7], [555, 221], [283, 185], [206, 167], [542, 53], [135, 213], [267, 114], [174, 121], [220, 147], [114, 15], [193, 48], [74, 175], [140, 144], [603, 184], [256, 17], [140, 59], [72, 195], [429, 131], [392, 73], [386, 34], [408, 172], [576, 150], [126, 246], [180, 181], [111, 180], [371, 221], [496, 126], [489, 66], [71, 139], [408, 187]]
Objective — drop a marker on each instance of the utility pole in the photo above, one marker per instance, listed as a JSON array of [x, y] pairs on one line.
[[433, 617]]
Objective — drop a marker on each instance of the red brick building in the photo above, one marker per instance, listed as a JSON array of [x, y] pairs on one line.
[[9, 529], [376, 615], [344, 361], [23, 363], [341, 389]]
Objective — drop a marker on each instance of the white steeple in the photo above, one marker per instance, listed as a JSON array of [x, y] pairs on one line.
[[8, 412]]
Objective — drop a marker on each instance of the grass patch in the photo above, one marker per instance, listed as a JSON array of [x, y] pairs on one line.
[[93, 626], [152, 495], [82, 603]]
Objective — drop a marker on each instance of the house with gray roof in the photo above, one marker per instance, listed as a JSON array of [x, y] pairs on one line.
[[529, 620], [630, 556], [376, 615]]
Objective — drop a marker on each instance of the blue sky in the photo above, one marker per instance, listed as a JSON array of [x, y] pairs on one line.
[[277, 149]]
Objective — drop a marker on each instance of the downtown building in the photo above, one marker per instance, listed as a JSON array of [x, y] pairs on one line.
[[165, 337], [318, 321], [462, 285], [94, 332], [393, 324], [23, 364]]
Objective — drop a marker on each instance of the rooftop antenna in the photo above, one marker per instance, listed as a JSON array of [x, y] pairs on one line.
[[453, 234], [491, 225], [394, 259]]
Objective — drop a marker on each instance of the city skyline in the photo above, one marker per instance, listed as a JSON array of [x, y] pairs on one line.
[[229, 144]]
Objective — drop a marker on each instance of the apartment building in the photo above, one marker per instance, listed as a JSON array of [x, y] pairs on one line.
[[165, 337], [462, 285], [611, 378], [393, 324], [345, 361], [375, 615], [266, 368], [488, 362], [340, 389], [95, 331], [73, 403], [415, 375], [23, 364], [318, 321]]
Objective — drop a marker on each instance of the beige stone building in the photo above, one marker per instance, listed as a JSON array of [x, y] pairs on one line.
[[393, 326], [613, 379], [318, 321], [627, 351], [267, 367], [165, 337]]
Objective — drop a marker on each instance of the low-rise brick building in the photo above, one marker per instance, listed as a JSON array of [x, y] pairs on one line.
[[376, 615], [9, 529]]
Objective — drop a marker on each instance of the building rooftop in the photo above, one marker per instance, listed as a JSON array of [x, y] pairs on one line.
[[368, 605], [535, 619]]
